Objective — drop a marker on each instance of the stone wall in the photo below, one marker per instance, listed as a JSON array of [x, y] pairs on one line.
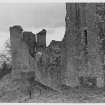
[[41, 40], [22, 61], [56, 64], [50, 65], [31, 57], [30, 40], [72, 40], [84, 26]]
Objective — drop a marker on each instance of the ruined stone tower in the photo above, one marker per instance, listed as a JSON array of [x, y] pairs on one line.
[[84, 41], [22, 61], [41, 40]]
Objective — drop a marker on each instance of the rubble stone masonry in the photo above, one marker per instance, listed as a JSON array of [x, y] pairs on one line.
[[84, 41]]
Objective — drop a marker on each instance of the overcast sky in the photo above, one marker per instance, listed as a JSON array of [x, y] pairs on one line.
[[33, 17]]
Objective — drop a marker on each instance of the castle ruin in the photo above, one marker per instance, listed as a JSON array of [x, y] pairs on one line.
[[77, 59]]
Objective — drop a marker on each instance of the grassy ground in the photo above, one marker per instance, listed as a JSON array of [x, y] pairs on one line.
[[66, 95], [70, 95], [10, 92]]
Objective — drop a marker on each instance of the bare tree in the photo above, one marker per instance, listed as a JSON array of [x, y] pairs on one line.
[[6, 55]]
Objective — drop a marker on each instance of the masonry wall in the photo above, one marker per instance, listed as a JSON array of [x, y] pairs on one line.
[[72, 44], [41, 40], [83, 60], [22, 61]]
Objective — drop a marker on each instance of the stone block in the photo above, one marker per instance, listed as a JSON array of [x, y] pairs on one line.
[[100, 82]]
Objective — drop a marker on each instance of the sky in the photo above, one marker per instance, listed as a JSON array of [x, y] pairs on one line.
[[33, 17]]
